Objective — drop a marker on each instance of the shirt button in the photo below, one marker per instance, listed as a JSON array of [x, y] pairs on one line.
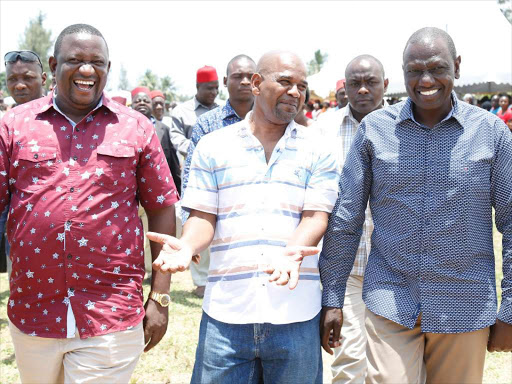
[[68, 222], [72, 189], [72, 289], [75, 158], [78, 129], [36, 156], [70, 255]]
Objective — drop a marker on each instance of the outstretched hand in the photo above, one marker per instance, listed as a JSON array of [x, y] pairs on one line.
[[175, 255], [285, 268]]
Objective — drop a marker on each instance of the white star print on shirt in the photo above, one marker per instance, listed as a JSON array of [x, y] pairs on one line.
[[160, 199], [99, 172], [89, 305], [85, 175], [83, 242]]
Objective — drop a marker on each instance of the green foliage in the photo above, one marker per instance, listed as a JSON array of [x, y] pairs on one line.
[[38, 39], [123, 79], [3, 85], [318, 61], [506, 9], [165, 84]]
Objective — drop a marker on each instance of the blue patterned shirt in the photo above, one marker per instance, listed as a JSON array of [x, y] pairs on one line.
[[208, 122], [431, 194]]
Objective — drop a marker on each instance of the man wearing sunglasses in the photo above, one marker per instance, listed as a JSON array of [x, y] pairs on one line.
[[75, 165], [25, 77], [25, 80]]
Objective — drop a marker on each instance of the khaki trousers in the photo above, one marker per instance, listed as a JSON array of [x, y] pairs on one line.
[[105, 359], [349, 365], [397, 354]]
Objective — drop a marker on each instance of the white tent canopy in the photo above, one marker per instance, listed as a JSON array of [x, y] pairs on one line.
[[482, 36]]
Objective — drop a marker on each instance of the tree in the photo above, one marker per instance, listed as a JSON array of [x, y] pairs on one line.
[[165, 84], [38, 39], [123, 79], [150, 80], [505, 7], [316, 64]]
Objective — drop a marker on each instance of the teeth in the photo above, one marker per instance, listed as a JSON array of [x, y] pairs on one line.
[[428, 93], [84, 82]]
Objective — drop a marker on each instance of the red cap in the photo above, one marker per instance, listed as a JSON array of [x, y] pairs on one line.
[[139, 90], [156, 93], [206, 74], [120, 99], [340, 84]]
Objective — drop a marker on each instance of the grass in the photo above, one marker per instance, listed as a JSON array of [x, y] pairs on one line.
[[172, 360]]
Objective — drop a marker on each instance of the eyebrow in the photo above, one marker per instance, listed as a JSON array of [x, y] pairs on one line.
[[286, 77]]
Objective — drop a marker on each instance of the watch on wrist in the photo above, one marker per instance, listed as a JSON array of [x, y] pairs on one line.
[[161, 298]]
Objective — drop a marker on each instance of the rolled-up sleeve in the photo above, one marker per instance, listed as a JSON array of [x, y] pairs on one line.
[[202, 190]]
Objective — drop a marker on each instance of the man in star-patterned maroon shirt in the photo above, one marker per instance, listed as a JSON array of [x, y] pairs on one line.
[[75, 165]]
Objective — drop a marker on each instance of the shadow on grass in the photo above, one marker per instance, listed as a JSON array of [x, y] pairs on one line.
[[4, 294], [9, 360], [185, 298]]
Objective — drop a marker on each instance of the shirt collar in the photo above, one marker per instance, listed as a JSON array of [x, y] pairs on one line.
[[244, 131], [228, 111], [53, 102], [407, 114], [197, 104]]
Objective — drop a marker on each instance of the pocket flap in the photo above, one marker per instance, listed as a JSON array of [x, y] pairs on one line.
[[37, 154], [119, 150]]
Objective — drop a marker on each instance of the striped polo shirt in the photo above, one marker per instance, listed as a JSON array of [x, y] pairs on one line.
[[258, 207]]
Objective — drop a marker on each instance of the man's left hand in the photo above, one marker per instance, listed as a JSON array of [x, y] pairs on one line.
[[285, 269], [155, 323], [500, 337]]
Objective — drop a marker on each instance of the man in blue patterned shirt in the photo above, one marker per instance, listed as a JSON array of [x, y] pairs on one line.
[[238, 82], [432, 168]]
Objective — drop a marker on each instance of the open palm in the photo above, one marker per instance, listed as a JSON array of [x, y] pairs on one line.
[[175, 255]]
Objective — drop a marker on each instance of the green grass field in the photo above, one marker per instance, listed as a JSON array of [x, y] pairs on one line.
[[172, 360]]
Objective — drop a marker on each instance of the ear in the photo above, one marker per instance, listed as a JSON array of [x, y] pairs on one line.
[[52, 62], [225, 81], [386, 82], [108, 67], [43, 76], [458, 60], [256, 80]]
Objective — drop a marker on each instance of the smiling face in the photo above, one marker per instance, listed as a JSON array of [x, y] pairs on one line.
[[429, 74], [141, 102], [25, 81], [80, 69], [280, 88]]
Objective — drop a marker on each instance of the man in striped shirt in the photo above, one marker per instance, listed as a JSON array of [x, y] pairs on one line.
[[260, 191], [365, 86]]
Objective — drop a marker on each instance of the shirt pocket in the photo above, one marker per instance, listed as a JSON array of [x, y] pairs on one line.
[[115, 166], [33, 170], [474, 179]]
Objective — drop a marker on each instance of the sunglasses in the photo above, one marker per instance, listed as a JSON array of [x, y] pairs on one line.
[[25, 56]]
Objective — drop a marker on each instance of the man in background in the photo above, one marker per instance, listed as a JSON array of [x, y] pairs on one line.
[[184, 116], [238, 82], [365, 86]]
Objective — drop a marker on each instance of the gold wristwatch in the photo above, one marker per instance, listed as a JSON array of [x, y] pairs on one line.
[[161, 298]]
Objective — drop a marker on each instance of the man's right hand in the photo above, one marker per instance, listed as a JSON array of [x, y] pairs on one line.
[[175, 255], [330, 328]]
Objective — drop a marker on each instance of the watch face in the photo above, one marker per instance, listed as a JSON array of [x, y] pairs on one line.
[[165, 300]]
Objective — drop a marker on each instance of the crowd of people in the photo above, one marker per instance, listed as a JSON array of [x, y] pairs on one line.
[[362, 226]]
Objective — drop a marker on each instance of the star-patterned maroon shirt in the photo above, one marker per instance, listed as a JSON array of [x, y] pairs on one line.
[[75, 235]]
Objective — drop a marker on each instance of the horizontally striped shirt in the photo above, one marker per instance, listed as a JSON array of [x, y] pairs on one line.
[[341, 127], [258, 208]]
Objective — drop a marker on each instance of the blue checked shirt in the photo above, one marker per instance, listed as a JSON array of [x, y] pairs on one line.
[[431, 194], [208, 122]]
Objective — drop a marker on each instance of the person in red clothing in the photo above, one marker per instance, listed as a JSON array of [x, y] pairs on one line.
[[505, 112], [75, 165]]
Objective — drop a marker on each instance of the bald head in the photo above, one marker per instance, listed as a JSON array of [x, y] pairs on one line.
[[365, 85], [428, 36], [279, 86], [271, 61], [366, 61]]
